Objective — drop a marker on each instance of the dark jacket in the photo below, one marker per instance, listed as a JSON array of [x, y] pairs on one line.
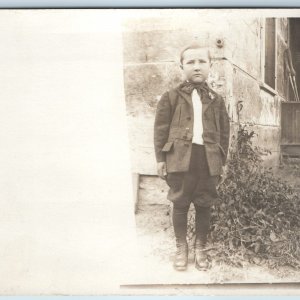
[[173, 129]]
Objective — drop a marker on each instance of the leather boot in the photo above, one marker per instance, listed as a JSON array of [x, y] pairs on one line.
[[201, 259], [181, 256]]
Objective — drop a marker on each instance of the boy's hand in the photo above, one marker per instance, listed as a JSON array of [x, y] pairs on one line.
[[162, 170]]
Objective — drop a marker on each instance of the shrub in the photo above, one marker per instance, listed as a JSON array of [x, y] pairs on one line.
[[257, 216]]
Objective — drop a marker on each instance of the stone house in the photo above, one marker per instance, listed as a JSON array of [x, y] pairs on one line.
[[248, 56]]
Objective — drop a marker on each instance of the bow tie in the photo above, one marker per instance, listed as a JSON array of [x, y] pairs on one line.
[[188, 87]]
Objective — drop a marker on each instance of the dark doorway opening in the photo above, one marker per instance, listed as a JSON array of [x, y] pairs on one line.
[[290, 110], [294, 25]]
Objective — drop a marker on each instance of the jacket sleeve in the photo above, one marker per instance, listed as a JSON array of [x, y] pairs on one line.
[[224, 128], [161, 126]]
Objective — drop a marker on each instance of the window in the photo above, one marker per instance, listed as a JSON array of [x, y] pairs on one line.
[[270, 48]]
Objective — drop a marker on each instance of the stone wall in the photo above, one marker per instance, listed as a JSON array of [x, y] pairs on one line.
[[151, 66], [245, 81]]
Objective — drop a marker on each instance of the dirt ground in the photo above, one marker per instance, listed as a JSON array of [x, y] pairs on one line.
[[157, 245]]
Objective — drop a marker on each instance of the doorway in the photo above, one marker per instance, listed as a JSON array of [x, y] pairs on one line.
[[290, 110]]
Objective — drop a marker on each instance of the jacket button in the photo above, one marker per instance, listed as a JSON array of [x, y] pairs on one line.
[[188, 118]]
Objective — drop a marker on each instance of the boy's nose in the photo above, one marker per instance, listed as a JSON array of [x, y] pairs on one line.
[[196, 66]]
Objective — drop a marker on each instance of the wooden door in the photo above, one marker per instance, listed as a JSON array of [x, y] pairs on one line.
[[290, 129]]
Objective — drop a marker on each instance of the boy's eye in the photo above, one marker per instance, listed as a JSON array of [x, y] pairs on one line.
[[191, 62]]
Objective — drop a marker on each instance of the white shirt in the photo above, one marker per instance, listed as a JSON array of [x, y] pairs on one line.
[[198, 126]]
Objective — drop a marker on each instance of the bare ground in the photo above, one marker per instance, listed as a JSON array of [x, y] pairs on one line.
[[157, 246]]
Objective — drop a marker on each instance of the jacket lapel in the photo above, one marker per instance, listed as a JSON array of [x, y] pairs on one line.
[[209, 98], [185, 96], [205, 105]]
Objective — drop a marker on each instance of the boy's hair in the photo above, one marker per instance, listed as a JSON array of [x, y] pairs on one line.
[[194, 45]]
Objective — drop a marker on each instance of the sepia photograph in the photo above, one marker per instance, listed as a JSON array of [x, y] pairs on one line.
[[213, 109], [150, 151]]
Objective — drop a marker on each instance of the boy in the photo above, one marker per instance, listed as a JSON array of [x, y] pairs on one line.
[[191, 137]]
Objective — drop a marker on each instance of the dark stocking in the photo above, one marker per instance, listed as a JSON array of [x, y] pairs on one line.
[[180, 222], [202, 220]]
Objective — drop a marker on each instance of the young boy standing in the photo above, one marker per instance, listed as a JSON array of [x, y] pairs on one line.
[[191, 137]]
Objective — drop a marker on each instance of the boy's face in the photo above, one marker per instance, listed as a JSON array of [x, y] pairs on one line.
[[196, 65]]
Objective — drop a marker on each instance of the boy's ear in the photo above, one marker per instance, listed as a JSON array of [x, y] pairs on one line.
[[181, 66]]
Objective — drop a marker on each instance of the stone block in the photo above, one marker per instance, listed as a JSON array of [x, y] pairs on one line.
[[144, 85], [133, 47], [165, 45], [244, 44], [144, 79], [141, 105], [141, 131], [267, 137], [246, 90], [270, 109], [230, 103], [155, 45], [164, 37], [142, 153], [259, 106], [217, 77], [143, 160], [153, 191]]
